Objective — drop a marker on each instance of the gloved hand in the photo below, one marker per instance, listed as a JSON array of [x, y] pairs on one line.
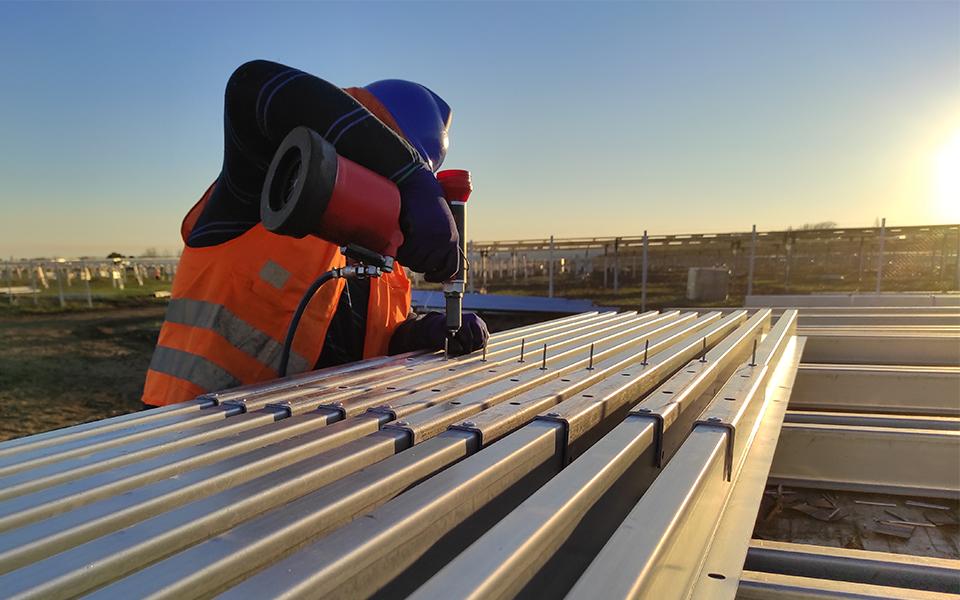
[[430, 241], [429, 332]]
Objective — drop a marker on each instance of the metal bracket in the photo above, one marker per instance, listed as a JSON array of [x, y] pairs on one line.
[[285, 405], [384, 409], [240, 403], [731, 430], [658, 430], [337, 406]]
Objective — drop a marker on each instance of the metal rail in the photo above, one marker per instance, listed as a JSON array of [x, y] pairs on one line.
[[899, 389], [888, 460], [661, 545], [597, 455], [771, 586], [856, 566], [127, 428], [208, 438], [249, 545], [886, 347], [511, 553]]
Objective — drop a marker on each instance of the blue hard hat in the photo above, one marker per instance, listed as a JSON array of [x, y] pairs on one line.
[[422, 116]]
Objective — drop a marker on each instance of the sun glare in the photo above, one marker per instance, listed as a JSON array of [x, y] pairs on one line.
[[948, 180]]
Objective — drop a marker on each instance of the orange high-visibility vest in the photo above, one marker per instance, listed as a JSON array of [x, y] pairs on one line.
[[231, 305]]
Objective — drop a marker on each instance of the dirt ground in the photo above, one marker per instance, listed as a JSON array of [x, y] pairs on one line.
[[61, 369]]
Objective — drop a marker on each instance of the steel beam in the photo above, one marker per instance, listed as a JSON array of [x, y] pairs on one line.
[[856, 566], [825, 345], [308, 516], [770, 586], [916, 462], [361, 491], [217, 435], [899, 389], [266, 489], [873, 420], [508, 556], [660, 548], [374, 367]]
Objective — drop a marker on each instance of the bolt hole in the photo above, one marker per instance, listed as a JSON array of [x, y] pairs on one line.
[[744, 376], [492, 371], [666, 392], [625, 374], [390, 387], [565, 380], [341, 387], [455, 402], [716, 576], [435, 390], [588, 395], [731, 399], [515, 403], [451, 369], [691, 371], [514, 380]]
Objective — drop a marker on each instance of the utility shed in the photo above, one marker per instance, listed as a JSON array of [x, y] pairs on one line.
[[707, 284]]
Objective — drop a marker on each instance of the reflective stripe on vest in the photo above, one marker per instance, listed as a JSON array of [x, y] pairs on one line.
[[240, 334], [193, 368]]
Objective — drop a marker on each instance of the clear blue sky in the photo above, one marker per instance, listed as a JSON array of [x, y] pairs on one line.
[[575, 118]]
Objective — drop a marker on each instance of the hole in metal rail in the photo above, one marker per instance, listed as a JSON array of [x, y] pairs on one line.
[[731, 399], [588, 395], [514, 380], [435, 390], [454, 402], [390, 387], [565, 380], [666, 391], [716, 576], [342, 387], [492, 371], [625, 374], [451, 369], [744, 376], [515, 403], [691, 371]]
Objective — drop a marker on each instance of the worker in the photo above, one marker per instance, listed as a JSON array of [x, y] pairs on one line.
[[237, 284]]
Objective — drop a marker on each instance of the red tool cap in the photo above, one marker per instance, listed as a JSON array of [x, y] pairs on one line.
[[456, 184]]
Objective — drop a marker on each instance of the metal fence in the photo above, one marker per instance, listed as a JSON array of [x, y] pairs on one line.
[[58, 281], [870, 259], [646, 267]]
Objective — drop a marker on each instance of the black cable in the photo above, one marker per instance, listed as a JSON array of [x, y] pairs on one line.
[[295, 322]]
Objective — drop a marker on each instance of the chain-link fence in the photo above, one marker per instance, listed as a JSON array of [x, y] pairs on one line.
[[611, 270]]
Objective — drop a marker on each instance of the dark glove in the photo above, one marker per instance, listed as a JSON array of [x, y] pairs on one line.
[[430, 241], [429, 332]]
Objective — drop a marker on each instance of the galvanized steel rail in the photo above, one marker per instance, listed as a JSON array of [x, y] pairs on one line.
[[599, 455]]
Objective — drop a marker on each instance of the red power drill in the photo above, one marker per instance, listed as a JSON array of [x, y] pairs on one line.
[[311, 190]]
